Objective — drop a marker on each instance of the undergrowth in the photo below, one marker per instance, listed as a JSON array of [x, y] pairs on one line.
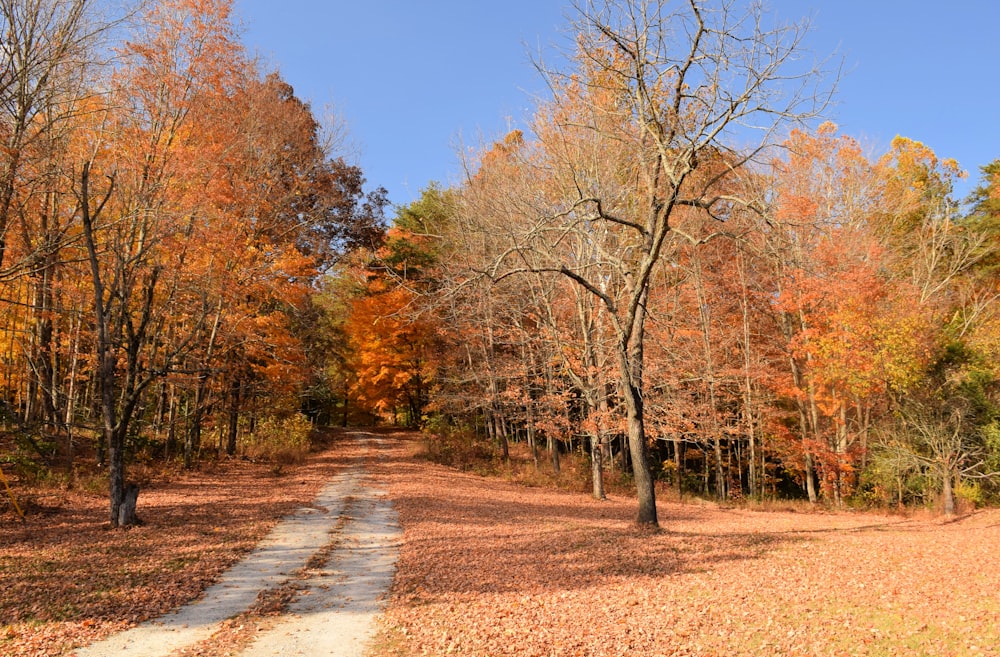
[[468, 452], [283, 441]]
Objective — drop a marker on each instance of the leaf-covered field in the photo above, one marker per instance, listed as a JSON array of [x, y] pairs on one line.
[[491, 568]]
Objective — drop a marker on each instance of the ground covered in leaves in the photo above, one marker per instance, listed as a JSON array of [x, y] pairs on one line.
[[492, 568], [67, 578]]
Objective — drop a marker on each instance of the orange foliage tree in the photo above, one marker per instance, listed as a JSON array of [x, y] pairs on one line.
[[391, 352], [163, 259]]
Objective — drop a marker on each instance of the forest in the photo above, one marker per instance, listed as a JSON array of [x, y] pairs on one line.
[[676, 269], [626, 278]]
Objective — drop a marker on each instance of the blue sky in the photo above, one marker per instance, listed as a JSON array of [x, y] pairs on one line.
[[414, 79]]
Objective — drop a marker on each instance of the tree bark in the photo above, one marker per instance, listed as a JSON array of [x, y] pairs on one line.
[[501, 433], [679, 467], [947, 495], [597, 470], [631, 383], [811, 479], [126, 512], [234, 417], [532, 441]]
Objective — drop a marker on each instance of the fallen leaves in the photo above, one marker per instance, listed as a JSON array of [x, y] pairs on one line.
[[67, 579], [491, 568]]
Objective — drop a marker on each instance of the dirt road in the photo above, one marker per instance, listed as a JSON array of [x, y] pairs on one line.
[[338, 556]]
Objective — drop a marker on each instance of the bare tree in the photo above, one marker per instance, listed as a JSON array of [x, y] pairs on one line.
[[48, 51], [651, 122], [941, 440]]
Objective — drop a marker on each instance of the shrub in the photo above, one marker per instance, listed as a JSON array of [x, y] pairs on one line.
[[459, 448], [971, 493], [26, 459], [282, 441]]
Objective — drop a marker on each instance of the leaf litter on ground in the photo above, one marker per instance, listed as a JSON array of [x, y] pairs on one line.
[[67, 579], [489, 567]]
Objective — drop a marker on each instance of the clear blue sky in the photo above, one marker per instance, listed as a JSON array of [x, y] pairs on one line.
[[415, 78]]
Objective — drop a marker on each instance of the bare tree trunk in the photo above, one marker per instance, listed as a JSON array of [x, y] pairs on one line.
[[947, 494], [126, 512], [194, 434], [679, 467], [113, 432], [721, 491], [596, 469], [44, 357], [807, 426], [234, 417], [490, 426], [69, 417], [192, 443], [810, 475], [189, 446], [532, 440], [501, 431], [170, 447], [631, 384], [748, 414]]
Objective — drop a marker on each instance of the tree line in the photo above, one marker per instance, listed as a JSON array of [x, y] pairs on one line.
[[677, 267]]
